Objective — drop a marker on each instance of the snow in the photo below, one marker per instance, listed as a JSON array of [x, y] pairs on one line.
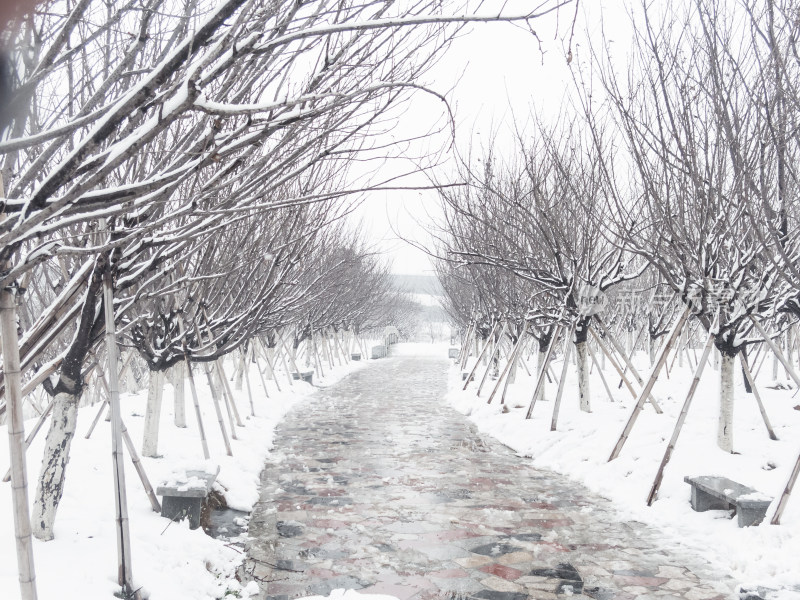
[[764, 555], [170, 561]]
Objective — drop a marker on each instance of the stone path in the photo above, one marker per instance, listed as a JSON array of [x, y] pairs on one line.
[[377, 485]]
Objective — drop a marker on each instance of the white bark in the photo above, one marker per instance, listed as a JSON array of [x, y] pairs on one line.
[[54, 463], [270, 361], [581, 354], [651, 348], [725, 425], [152, 415], [539, 368], [238, 376], [178, 395]]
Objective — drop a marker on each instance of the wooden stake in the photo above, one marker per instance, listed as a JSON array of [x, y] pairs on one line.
[[561, 382], [226, 388], [662, 358], [512, 359], [215, 398], [786, 364], [16, 436], [627, 360], [125, 571], [32, 434], [495, 351], [198, 414], [540, 381], [756, 395], [247, 381], [480, 356], [600, 372], [195, 400], [620, 371], [258, 368], [776, 519], [651, 497], [137, 464]]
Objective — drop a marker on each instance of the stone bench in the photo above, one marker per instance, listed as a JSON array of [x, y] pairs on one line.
[[453, 352], [184, 497], [355, 356], [307, 376], [721, 493]]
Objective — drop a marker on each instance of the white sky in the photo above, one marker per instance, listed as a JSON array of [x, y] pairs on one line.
[[495, 74]]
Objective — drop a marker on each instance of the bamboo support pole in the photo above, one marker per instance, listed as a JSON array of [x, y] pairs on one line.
[[216, 399], [16, 436], [760, 356], [662, 358], [540, 380], [627, 360], [218, 412], [517, 359], [103, 406], [125, 570], [134, 456], [311, 348], [258, 368], [340, 349], [494, 353], [226, 388], [756, 395], [32, 435], [600, 372], [137, 464], [512, 359], [787, 491], [620, 371], [247, 382], [651, 497], [480, 356], [465, 346], [562, 381], [259, 344], [786, 364], [198, 414], [284, 351]]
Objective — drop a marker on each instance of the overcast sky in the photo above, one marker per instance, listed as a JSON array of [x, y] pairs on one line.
[[495, 75]]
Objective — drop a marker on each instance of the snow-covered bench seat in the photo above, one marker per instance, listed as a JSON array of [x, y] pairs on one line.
[[453, 352], [307, 376], [183, 496], [355, 356], [720, 493]]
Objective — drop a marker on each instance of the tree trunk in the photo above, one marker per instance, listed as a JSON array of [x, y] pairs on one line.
[[152, 416], [540, 358], [238, 376], [725, 426], [651, 349], [54, 464], [178, 395], [581, 353]]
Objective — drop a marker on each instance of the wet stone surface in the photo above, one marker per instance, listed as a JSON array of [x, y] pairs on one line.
[[376, 485]]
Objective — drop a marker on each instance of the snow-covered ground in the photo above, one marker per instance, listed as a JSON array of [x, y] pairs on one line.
[[170, 561], [580, 448]]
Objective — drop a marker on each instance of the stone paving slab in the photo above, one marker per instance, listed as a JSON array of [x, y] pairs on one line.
[[377, 485]]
